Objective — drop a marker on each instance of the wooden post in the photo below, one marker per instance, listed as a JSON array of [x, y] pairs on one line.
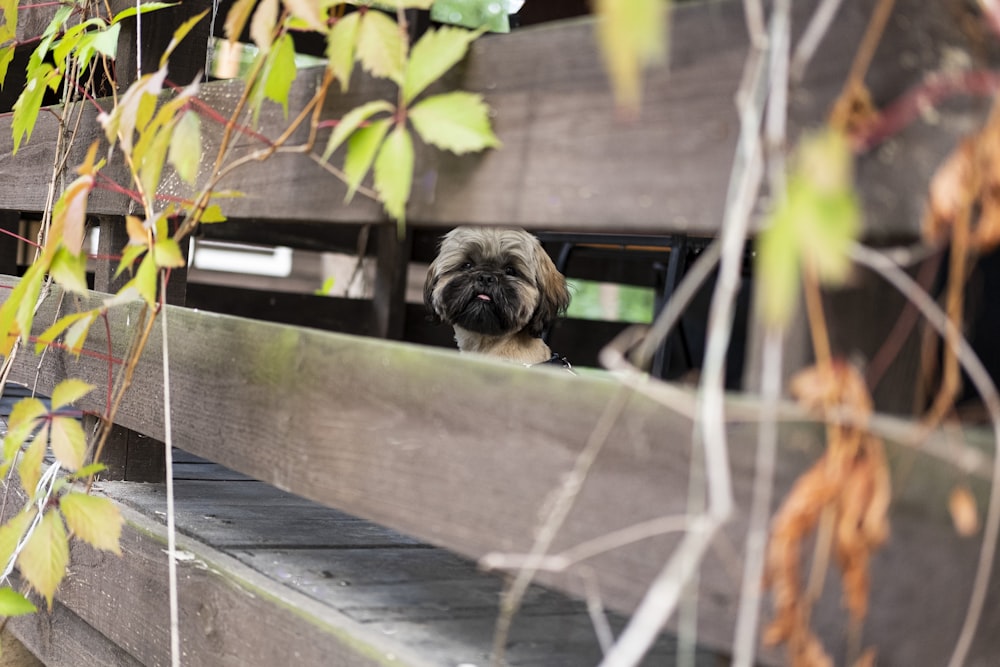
[[389, 302], [10, 221]]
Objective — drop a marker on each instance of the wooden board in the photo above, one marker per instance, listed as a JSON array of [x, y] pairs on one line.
[[463, 452], [568, 162]]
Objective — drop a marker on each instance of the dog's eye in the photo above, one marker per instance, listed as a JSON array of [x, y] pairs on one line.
[[466, 266], [510, 271]]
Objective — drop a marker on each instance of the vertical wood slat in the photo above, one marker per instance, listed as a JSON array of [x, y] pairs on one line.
[[389, 301]]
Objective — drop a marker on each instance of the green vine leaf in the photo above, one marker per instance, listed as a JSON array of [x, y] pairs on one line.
[[179, 35], [68, 441], [13, 603], [341, 43], [96, 521], [281, 73], [381, 48], [145, 280], [76, 335], [262, 24], [70, 270], [29, 102], [458, 122], [151, 159], [212, 214], [394, 172], [24, 301], [89, 470], [185, 149], [631, 36], [351, 121], [134, 109], [144, 8], [45, 556], [6, 56], [69, 215], [815, 223], [24, 419], [432, 56], [361, 150], [59, 326], [8, 29], [488, 14], [69, 391], [168, 254], [406, 4], [129, 255], [12, 532]]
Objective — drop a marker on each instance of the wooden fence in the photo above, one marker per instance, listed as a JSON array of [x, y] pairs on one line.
[[463, 452]]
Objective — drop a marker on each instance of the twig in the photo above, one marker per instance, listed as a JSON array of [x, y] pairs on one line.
[[818, 26], [744, 642], [168, 439], [662, 596], [980, 378]]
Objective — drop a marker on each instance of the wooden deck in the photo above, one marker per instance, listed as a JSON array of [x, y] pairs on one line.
[[372, 596]]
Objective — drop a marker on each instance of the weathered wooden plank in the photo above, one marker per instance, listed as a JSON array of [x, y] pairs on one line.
[[231, 614], [61, 639], [463, 452], [567, 162]]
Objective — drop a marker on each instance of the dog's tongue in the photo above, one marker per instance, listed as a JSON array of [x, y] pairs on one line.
[[483, 297]]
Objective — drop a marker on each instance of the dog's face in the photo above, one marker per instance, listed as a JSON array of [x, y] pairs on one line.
[[495, 282]]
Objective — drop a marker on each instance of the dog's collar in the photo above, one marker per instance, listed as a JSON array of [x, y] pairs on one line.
[[556, 358]]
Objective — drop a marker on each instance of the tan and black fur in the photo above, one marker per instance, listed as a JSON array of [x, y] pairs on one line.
[[499, 290]]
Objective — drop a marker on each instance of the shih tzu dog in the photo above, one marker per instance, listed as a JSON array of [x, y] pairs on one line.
[[499, 290]]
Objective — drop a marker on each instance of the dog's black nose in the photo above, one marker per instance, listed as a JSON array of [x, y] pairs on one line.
[[486, 279]]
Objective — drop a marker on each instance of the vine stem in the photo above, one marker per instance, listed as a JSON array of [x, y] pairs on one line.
[[980, 378]]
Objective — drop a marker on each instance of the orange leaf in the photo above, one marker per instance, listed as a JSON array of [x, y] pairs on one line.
[[964, 513]]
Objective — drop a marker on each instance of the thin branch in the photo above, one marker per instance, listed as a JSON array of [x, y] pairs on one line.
[[980, 378]]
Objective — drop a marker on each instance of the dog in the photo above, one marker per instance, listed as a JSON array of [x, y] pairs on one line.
[[499, 290]]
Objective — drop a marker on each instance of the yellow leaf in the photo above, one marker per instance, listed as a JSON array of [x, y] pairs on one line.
[[12, 532], [964, 513], [44, 558], [69, 215], [96, 521], [631, 34], [29, 468], [137, 232], [262, 24], [69, 442], [308, 11], [69, 391]]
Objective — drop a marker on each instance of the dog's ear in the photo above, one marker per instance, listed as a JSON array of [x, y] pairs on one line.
[[430, 282], [553, 296]]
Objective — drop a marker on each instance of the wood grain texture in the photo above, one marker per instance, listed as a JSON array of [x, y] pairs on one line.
[[463, 453], [569, 162]]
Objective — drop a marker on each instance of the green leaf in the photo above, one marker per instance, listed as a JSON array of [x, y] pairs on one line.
[[6, 56], [212, 214], [631, 36], [458, 122], [89, 470], [179, 36], [145, 280], [488, 14], [381, 48], [168, 254], [185, 149], [23, 420], [394, 172], [361, 150], [13, 603], [281, 72], [44, 559], [436, 53], [152, 158], [236, 19], [340, 46], [351, 121], [134, 109], [815, 224], [76, 335], [144, 8], [70, 270], [69, 391], [11, 533], [29, 467], [8, 8], [96, 521], [62, 324], [405, 4], [26, 308], [29, 102], [103, 41], [129, 255], [262, 24]]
